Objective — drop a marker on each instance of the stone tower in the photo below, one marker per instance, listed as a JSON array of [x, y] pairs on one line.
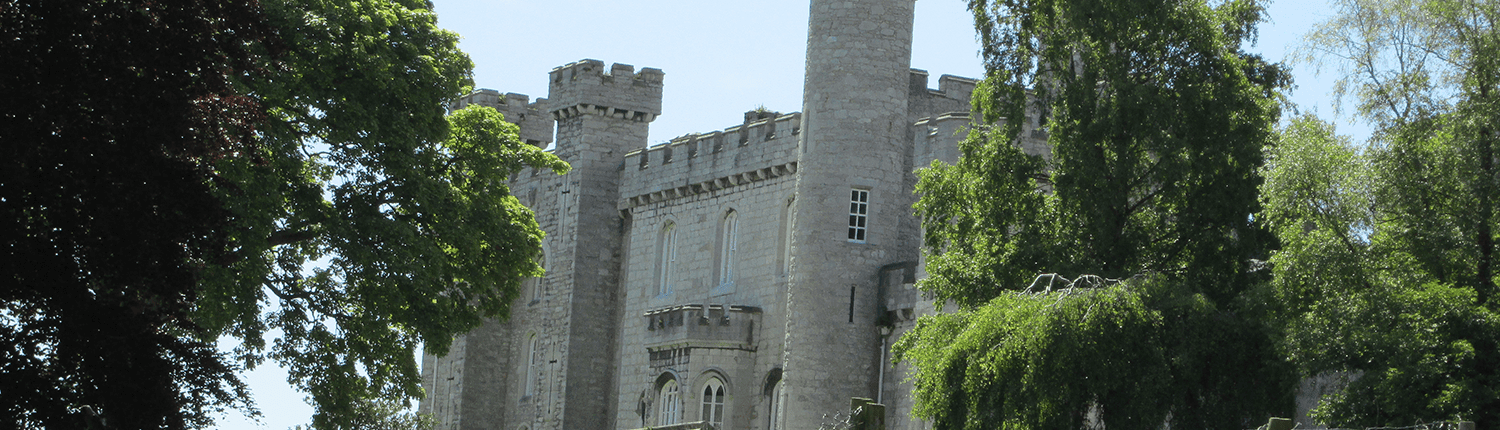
[[851, 199], [550, 365], [600, 116]]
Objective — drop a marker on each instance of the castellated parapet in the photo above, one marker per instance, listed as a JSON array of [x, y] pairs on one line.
[[583, 88], [716, 277], [952, 95], [764, 147], [533, 118]]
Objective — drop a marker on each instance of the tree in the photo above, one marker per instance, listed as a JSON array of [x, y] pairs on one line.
[[376, 223], [194, 171], [116, 115], [1387, 275], [1360, 302], [1156, 121]]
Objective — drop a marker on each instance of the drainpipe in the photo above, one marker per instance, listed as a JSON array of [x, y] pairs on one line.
[[885, 336]]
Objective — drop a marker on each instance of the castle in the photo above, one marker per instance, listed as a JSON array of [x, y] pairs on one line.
[[751, 278]]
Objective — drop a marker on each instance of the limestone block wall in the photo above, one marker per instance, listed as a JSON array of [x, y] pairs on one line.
[[482, 383], [759, 282], [855, 136]]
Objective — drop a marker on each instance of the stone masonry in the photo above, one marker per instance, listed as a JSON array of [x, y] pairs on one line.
[[715, 277]]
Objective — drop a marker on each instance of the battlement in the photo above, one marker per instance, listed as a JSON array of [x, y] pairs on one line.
[[536, 126], [763, 147], [951, 95], [584, 88]]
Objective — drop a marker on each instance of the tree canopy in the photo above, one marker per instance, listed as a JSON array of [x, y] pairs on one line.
[[1156, 121], [283, 168], [1387, 272], [116, 115]]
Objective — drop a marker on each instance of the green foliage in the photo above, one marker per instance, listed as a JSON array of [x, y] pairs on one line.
[[115, 115], [189, 171], [1373, 294], [371, 222], [1387, 273], [1125, 352], [383, 414], [1156, 122]]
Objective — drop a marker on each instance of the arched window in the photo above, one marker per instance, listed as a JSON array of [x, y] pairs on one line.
[[534, 285], [669, 404], [533, 363], [713, 403], [668, 259], [728, 243]]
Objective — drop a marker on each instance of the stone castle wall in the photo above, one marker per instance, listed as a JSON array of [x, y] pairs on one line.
[[590, 345]]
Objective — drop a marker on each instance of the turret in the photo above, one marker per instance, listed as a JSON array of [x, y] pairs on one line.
[[622, 101], [850, 201]]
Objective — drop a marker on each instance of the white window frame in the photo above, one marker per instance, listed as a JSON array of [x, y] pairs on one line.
[[533, 363], [537, 290], [859, 216], [669, 404], [668, 258], [729, 244], [712, 405]]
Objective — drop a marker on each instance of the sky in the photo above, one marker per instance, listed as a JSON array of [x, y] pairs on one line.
[[722, 58]]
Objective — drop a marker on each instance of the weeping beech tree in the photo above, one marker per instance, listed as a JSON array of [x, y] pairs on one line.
[[1156, 119]]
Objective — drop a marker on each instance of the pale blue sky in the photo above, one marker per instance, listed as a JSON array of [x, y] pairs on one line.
[[721, 59]]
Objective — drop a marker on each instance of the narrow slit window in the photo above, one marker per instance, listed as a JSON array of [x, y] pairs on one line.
[[859, 208], [668, 259], [730, 243]]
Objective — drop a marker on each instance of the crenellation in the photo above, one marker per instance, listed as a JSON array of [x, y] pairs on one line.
[[531, 116], [583, 88], [956, 87], [763, 294]]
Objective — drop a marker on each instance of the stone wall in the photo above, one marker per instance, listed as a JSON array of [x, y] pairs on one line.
[[759, 283]]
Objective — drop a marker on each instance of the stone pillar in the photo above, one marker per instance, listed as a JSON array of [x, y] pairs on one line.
[[854, 137]]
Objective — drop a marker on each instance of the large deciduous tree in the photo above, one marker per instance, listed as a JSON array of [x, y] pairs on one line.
[[1156, 119], [115, 117], [1388, 272], [186, 171], [378, 223]]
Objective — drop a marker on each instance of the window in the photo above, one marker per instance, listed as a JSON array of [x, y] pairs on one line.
[[728, 242], [534, 285], [668, 258], [713, 403], [669, 404], [533, 364], [859, 206]]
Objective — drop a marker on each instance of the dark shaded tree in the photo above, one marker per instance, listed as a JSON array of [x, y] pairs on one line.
[[115, 115], [182, 172]]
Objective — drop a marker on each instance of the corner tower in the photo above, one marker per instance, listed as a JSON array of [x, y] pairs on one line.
[[601, 114], [851, 197]]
